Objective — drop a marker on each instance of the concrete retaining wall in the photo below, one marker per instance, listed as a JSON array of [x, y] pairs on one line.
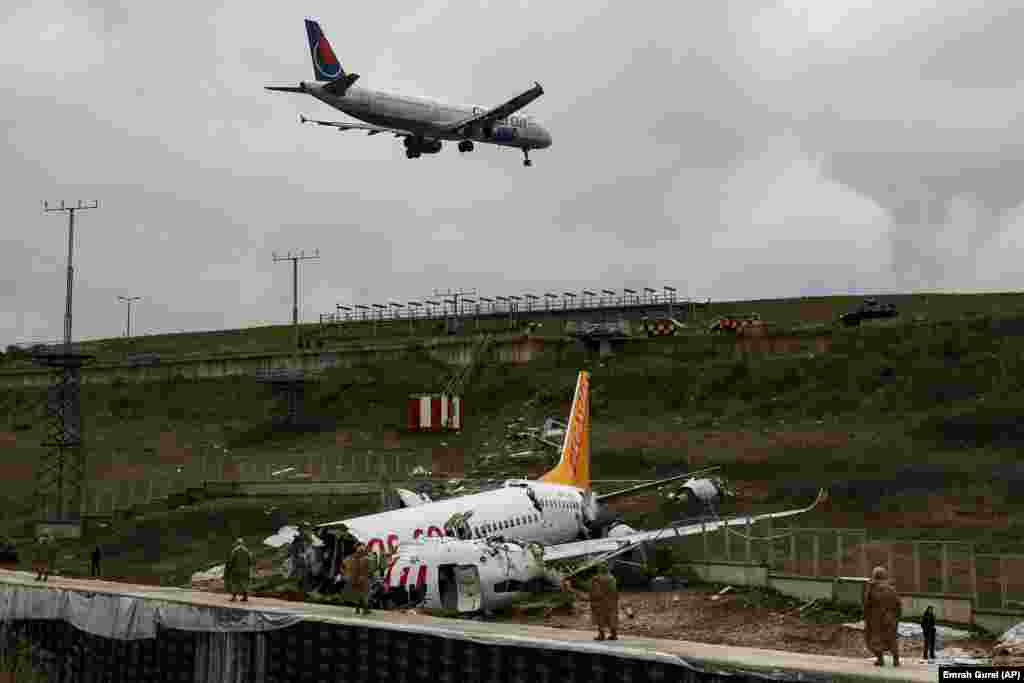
[[997, 620], [957, 609], [732, 572], [800, 587], [515, 348]]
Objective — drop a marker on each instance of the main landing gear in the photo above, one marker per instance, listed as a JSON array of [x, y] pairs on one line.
[[465, 146], [411, 153], [526, 157]]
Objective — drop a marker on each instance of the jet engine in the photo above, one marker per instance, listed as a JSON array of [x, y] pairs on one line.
[[422, 146]]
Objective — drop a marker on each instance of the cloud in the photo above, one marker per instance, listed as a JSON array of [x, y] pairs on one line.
[[732, 149]]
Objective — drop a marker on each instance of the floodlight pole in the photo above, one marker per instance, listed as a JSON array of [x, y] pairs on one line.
[[129, 300], [295, 258], [71, 270]]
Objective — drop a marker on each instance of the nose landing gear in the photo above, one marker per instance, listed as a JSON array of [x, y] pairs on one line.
[[526, 157], [465, 146]]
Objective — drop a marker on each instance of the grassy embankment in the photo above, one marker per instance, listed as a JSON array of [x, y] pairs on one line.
[[894, 412]]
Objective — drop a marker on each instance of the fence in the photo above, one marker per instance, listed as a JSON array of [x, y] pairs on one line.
[[130, 486], [510, 305], [938, 567]]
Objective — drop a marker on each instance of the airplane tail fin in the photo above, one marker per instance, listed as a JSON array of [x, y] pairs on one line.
[[326, 66], [573, 469]]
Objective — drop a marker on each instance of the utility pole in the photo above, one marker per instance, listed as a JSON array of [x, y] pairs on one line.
[[60, 474], [295, 258], [129, 300]]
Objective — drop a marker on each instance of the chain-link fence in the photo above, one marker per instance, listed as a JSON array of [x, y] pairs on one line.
[[945, 567]]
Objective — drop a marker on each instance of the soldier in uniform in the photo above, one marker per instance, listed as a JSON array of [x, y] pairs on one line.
[[604, 602], [882, 611], [357, 567], [46, 557], [237, 571]]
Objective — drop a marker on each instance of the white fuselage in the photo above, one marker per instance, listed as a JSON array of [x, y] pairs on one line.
[[466, 576], [426, 117], [559, 516]]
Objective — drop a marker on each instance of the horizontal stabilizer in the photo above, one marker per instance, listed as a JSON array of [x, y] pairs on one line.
[[285, 88]]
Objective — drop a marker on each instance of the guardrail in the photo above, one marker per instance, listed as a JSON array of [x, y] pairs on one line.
[[492, 306]]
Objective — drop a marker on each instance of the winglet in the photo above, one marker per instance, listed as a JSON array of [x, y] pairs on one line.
[[573, 469]]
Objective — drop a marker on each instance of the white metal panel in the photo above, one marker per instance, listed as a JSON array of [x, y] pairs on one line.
[[425, 412]]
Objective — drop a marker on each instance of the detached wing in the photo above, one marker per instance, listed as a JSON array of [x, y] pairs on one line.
[[499, 112], [602, 549], [371, 130]]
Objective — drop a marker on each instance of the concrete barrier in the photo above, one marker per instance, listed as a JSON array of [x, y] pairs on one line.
[[328, 643]]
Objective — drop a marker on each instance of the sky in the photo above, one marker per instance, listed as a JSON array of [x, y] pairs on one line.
[[733, 150]]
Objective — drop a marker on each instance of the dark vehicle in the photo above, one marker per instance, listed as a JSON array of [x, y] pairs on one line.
[[8, 553], [869, 310]]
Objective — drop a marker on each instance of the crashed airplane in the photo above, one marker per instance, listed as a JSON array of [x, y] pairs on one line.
[[484, 550]]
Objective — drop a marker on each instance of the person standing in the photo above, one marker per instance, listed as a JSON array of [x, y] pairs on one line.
[[237, 571], [94, 566], [604, 602], [45, 555], [882, 611], [357, 567], [928, 628]]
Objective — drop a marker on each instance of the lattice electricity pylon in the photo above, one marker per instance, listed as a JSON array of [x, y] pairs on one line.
[[60, 475]]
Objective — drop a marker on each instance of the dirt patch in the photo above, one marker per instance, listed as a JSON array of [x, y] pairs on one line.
[[8, 440], [748, 344], [449, 462], [169, 453], [121, 472], [343, 439], [17, 471], [731, 620]]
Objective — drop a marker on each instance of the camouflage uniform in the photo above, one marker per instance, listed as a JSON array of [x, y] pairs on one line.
[[46, 557], [882, 611], [237, 571], [357, 567], [604, 603]]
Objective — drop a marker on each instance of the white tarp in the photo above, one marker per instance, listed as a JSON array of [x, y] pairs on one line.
[[909, 629], [130, 618], [212, 574]]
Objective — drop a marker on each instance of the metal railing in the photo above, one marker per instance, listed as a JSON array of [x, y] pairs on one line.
[[493, 306]]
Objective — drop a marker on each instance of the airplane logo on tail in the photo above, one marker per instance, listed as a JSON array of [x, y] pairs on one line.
[[326, 66]]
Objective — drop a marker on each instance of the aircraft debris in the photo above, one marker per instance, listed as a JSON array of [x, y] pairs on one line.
[[720, 593]]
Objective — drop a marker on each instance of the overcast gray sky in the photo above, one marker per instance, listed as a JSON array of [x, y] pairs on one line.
[[731, 149]]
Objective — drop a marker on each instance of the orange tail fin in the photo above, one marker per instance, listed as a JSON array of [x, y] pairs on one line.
[[573, 469]]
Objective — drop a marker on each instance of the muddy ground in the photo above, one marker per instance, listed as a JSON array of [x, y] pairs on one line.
[[732, 619]]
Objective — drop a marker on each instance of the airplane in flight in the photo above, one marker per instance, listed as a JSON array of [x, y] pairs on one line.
[[557, 511], [422, 123]]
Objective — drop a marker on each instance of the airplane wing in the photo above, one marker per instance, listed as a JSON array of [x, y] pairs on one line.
[[650, 485], [606, 548], [499, 112], [371, 130]]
